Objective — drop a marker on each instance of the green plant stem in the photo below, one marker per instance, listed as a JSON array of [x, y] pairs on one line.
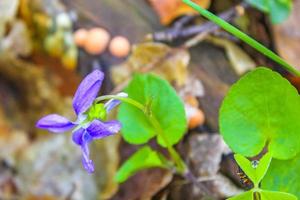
[[256, 196], [244, 37], [175, 156], [180, 165], [124, 99]]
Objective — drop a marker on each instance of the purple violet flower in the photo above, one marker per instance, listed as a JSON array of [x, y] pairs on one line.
[[90, 124]]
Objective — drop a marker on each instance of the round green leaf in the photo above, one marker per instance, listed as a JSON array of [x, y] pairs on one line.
[[270, 195], [262, 108], [279, 10], [284, 176], [144, 158], [162, 102]]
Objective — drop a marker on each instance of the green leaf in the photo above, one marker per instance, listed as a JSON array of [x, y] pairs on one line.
[[254, 174], [260, 4], [269, 195], [263, 166], [241, 35], [284, 176], [279, 10], [264, 195], [262, 108], [162, 102], [244, 196], [246, 166], [142, 159]]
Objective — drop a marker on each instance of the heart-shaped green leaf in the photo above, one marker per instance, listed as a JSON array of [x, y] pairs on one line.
[[142, 159], [246, 166], [264, 195], [283, 175], [262, 108], [255, 173], [263, 166], [162, 102]]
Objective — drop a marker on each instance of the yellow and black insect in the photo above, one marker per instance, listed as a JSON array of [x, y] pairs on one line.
[[244, 179]]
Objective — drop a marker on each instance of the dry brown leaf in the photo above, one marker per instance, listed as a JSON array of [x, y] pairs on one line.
[[287, 37], [46, 167], [168, 10], [18, 41], [11, 140], [40, 197], [238, 58], [146, 184], [205, 153], [8, 11], [192, 87], [159, 58], [109, 162]]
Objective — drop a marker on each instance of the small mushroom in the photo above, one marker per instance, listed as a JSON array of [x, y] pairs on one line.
[[196, 118], [96, 41], [194, 115], [119, 46], [80, 37]]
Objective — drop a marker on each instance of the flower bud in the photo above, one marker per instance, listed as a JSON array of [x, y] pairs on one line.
[[97, 111]]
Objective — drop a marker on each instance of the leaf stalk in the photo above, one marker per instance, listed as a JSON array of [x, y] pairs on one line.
[[243, 36]]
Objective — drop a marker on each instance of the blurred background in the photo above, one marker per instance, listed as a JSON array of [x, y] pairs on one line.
[[47, 46]]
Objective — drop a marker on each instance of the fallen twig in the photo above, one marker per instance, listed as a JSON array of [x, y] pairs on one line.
[[178, 31]]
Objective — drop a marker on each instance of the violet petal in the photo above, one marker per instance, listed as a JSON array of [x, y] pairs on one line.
[[114, 102], [55, 123], [77, 136], [98, 129], [87, 91], [86, 161]]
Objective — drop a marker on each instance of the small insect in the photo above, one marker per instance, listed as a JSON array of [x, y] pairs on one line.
[[244, 179], [255, 163]]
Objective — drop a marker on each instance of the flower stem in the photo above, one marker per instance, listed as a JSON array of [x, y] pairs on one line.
[[180, 165], [244, 37], [181, 168], [124, 99]]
